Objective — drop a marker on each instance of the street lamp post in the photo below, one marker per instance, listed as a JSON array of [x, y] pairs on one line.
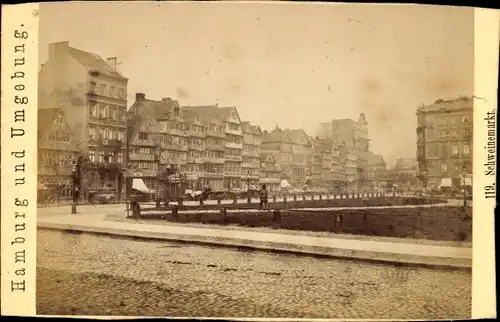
[[249, 197], [75, 169], [465, 195]]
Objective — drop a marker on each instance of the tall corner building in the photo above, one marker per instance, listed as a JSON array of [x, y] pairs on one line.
[[444, 143], [90, 94]]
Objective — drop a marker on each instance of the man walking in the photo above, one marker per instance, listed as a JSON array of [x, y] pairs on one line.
[[263, 198]]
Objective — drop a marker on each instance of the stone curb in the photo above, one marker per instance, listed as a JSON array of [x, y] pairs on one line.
[[406, 260]]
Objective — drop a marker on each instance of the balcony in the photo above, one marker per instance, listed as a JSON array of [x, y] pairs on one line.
[[233, 158], [197, 134], [212, 160], [232, 145], [232, 174], [234, 132], [173, 147], [198, 160], [141, 157], [250, 165], [174, 161], [214, 147], [213, 175], [216, 134], [145, 173]]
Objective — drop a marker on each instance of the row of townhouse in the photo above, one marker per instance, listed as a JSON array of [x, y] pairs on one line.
[[83, 112], [206, 145]]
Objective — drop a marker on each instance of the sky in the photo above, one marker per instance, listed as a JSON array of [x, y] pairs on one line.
[[288, 64]]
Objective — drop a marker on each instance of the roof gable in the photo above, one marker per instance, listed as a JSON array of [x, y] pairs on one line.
[[93, 62], [52, 123]]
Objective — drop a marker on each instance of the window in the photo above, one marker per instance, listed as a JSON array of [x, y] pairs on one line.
[[454, 134], [93, 108], [444, 167], [465, 119], [121, 135], [112, 157], [121, 93], [92, 133], [102, 89], [111, 91], [466, 149], [455, 150], [92, 155], [113, 113], [101, 156], [143, 136]]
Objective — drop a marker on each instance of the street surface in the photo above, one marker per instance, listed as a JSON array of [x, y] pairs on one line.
[[92, 275]]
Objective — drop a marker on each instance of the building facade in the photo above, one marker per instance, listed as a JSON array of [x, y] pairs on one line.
[[93, 95], [223, 145], [250, 166], [270, 172], [57, 150], [293, 150], [444, 143]]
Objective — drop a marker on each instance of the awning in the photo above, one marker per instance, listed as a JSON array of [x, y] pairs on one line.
[[139, 185], [285, 184], [446, 182], [269, 181]]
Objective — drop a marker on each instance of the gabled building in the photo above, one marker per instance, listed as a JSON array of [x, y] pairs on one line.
[[293, 149], [57, 148], [93, 95], [159, 143], [270, 172], [250, 167], [224, 145]]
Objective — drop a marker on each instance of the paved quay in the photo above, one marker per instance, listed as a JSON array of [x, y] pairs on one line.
[[100, 275], [368, 250]]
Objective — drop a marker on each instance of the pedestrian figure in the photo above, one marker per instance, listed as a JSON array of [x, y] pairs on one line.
[[263, 198]]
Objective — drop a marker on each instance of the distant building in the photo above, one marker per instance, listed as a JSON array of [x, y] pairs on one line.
[[444, 143], [377, 170], [93, 95], [250, 167], [355, 136]]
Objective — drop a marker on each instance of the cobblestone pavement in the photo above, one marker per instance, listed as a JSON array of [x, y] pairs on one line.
[[92, 275]]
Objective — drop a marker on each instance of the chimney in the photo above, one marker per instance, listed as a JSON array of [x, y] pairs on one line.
[[112, 62], [57, 48], [140, 96], [166, 99]]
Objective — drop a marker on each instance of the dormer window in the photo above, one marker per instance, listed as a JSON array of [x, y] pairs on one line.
[[176, 111]]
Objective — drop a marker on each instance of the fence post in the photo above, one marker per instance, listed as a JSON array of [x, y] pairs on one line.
[[320, 197], [303, 197], [175, 213], [274, 198], [201, 201], [223, 214], [414, 226], [219, 201], [284, 201], [180, 202], [235, 200], [276, 219], [294, 198]]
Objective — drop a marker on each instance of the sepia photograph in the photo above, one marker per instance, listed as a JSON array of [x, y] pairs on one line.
[[255, 160]]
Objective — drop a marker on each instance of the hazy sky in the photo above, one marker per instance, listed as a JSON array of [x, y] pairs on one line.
[[295, 65]]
